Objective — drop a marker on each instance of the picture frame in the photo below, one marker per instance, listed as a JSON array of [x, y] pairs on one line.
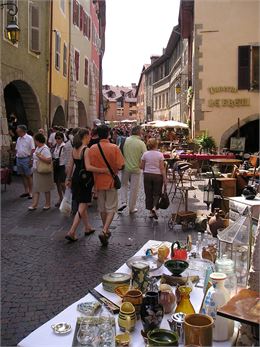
[[237, 144]]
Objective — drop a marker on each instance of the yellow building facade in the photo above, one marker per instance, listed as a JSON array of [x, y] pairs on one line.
[[59, 66]]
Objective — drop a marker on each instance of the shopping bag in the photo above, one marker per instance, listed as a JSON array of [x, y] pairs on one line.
[[65, 206]]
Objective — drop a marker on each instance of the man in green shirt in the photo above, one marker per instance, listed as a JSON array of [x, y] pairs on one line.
[[133, 150]]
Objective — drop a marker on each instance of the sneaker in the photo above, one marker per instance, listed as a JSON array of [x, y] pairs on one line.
[[133, 211], [122, 208]]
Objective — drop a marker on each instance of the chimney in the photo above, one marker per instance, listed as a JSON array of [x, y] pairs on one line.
[[154, 58], [133, 85], [163, 50]]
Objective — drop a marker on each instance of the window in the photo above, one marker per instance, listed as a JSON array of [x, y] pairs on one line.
[[156, 102], [167, 99], [65, 60], [57, 49], [248, 67], [163, 101], [34, 29], [76, 13], [160, 102], [62, 5], [77, 64], [86, 72]]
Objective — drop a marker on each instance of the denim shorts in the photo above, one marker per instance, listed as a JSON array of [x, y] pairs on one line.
[[24, 166]]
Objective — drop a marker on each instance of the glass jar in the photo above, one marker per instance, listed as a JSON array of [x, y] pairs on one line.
[[227, 266]]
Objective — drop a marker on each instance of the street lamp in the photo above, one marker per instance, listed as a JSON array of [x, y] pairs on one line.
[[12, 30], [208, 194], [178, 88]]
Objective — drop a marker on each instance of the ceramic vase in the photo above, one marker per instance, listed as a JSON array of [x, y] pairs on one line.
[[140, 276], [151, 312], [217, 296], [134, 296], [185, 305]]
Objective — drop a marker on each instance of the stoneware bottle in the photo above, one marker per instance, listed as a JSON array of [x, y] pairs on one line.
[[217, 296]]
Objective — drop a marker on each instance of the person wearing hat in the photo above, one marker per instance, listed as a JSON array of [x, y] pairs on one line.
[[24, 151]]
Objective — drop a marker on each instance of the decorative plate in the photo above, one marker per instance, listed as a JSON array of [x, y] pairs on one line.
[[88, 308], [153, 263], [61, 328]]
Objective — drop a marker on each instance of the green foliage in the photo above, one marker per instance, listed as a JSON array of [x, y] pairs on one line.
[[206, 141]]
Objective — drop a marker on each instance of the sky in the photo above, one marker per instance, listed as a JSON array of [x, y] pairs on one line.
[[135, 30]]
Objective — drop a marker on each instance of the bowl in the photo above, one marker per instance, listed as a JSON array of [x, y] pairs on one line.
[[176, 267], [122, 290], [162, 337]]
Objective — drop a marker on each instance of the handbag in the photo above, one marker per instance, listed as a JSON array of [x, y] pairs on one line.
[[164, 201], [42, 167], [56, 161], [85, 176], [116, 179]]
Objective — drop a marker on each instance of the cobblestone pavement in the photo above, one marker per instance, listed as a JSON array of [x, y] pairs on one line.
[[42, 274]]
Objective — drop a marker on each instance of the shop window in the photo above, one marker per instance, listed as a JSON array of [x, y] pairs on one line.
[[248, 67], [34, 30], [57, 49]]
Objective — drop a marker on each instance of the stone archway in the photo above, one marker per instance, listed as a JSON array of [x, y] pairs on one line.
[[83, 122], [59, 117], [232, 130], [21, 100]]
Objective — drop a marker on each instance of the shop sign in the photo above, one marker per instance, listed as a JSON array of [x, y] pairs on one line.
[[229, 102], [214, 90]]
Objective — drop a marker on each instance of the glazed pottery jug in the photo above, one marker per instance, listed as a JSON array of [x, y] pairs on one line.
[[151, 312], [140, 276], [166, 298], [163, 252], [178, 252], [185, 305], [216, 222], [198, 330], [134, 296], [217, 296], [127, 317]]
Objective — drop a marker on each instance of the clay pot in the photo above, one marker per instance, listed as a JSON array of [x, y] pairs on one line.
[[216, 222]]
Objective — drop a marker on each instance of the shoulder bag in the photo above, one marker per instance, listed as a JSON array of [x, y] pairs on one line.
[[85, 177], [117, 181], [42, 167], [164, 201], [56, 161]]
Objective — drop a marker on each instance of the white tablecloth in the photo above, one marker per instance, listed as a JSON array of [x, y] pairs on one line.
[[44, 336]]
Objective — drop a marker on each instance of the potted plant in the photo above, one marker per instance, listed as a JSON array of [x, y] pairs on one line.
[[206, 142]]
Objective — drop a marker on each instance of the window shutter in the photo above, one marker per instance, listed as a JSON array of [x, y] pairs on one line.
[[77, 64], [34, 28], [244, 67], [86, 72], [75, 9], [81, 18], [89, 28], [65, 60], [57, 50]]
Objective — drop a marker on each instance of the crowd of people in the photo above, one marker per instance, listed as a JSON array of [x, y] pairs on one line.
[[99, 162]]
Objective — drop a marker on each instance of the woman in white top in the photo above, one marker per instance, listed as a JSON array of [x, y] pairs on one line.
[[42, 182], [59, 165], [154, 176]]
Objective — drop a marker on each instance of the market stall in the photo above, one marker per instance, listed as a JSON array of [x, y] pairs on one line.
[[149, 258]]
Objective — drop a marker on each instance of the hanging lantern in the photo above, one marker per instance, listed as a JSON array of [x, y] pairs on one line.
[[208, 194], [12, 31], [178, 88]]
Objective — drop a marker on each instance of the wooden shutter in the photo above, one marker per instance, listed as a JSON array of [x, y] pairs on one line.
[[34, 28], [65, 60], [244, 67], [85, 24], [77, 64], [57, 50], [255, 67], [86, 72], [81, 20], [89, 27], [75, 9]]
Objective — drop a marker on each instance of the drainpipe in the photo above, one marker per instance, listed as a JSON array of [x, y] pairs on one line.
[[50, 65], [68, 67]]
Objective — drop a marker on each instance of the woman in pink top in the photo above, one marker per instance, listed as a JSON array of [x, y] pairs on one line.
[[154, 176]]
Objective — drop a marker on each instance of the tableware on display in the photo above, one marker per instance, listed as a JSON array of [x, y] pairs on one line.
[[86, 335], [140, 276], [61, 328], [122, 290], [106, 330], [176, 266], [167, 298], [185, 304], [151, 312], [127, 317], [227, 266], [135, 296], [176, 324], [123, 340], [162, 337], [199, 267], [178, 252], [218, 296], [88, 308], [112, 280], [216, 222], [198, 330], [105, 301], [151, 261], [163, 252]]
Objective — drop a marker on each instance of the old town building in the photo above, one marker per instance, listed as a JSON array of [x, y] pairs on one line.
[[119, 103], [141, 96]]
